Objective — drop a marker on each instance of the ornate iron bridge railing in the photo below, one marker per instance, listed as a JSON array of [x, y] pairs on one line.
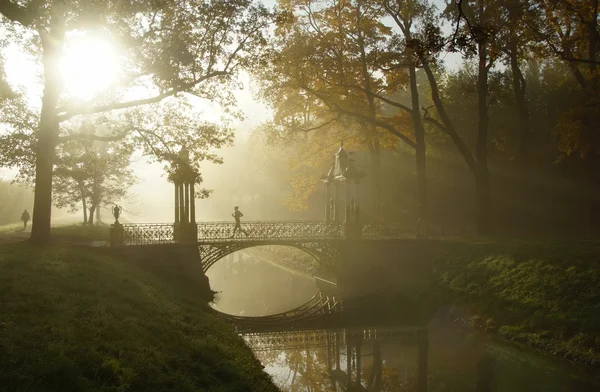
[[159, 233], [384, 229], [222, 232], [269, 230], [146, 234]]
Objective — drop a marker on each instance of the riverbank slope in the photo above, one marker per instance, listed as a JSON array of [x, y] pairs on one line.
[[539, 292], [72, 319]]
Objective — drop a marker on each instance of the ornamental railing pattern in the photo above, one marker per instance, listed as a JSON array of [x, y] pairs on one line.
[[144, 234], [211, 232], [384, 229], [315, 338], [269, 230]]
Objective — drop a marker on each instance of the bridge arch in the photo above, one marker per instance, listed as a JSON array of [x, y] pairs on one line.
[[324, 252], [320, 309]]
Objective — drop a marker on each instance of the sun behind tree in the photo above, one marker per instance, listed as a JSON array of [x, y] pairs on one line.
[[88, 65]]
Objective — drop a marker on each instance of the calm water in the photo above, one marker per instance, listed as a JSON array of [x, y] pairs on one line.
[[372, 358]]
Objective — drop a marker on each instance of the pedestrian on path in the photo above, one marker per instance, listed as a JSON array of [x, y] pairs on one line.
[[25, 218]]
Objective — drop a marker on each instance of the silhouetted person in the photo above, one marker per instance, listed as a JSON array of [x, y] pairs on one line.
[[237, 214], [25, 218]]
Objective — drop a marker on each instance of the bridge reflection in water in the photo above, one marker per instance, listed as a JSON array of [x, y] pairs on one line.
[[347, 359], [388, 358], [326, 335]]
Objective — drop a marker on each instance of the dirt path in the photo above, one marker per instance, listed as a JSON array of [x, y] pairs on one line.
[[16, 235]]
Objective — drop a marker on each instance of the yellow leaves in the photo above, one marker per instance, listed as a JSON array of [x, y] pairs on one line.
[[303, 185]]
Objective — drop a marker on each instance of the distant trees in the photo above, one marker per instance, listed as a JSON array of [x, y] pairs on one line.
[[89, 177], [15, 199]]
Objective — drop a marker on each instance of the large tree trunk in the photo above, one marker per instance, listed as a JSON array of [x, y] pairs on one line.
[[482, 200], [92, 211], [480, 173], [42, 203], [482, 178], [519, 90], [48, 128], [420, 150], [375, 153], [98, 220], [84, 205]]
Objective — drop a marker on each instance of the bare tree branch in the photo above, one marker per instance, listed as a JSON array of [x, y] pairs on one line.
[[326, 123], [68, 113], [382, 124], [376, 122], [84, 136], [382, 98]]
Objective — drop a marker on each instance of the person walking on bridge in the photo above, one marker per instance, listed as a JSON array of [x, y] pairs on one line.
[[237, 214], [25, 218]]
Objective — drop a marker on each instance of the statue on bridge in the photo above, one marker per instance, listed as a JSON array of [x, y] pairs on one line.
[[237, 214], [116, 229], [116, 211]]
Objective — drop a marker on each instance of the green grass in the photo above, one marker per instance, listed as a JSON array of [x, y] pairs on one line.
[[72, 320], [79, 231], [543, 293], [74, 232]]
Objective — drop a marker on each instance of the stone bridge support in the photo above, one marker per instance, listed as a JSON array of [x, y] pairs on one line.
[[173, 263]]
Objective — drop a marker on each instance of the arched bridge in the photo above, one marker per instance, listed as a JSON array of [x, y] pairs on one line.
[[215, 240]]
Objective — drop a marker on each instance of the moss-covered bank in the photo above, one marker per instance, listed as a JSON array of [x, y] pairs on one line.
[[74, 320], [543, 293]]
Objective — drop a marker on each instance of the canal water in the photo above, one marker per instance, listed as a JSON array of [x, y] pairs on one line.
[[376, 358]]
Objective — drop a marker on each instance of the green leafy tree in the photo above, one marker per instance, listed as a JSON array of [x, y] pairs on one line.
[[195, 47]]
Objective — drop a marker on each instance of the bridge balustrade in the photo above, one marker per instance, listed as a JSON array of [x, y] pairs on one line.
[[269, 230], [147, 233], [211, 232], [384, 229], [159, 233]]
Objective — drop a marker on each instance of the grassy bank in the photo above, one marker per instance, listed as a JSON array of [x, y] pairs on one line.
[[73, 232], [72, 320], [543, 293], [80, 233]]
